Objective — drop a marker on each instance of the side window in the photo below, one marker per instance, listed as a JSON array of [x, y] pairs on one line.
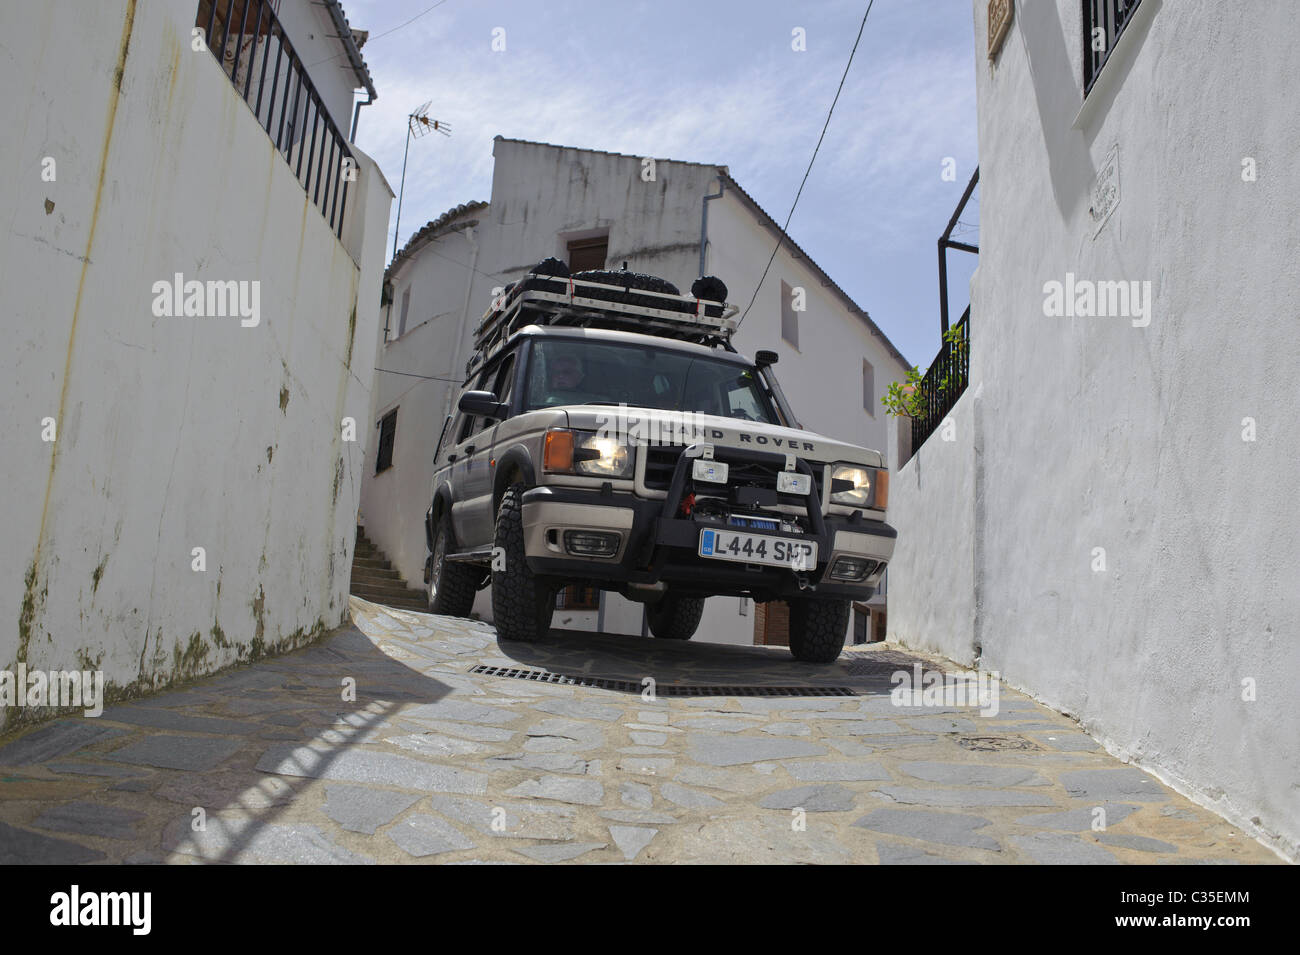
[[789, 318], [484, 383], [464, 427], [868, 388], [505, 380], [406, 307], [387, 436]]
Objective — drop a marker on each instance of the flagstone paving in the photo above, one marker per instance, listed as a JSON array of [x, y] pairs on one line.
[[277, 762]]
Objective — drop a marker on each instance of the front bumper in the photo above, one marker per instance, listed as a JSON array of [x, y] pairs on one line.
[[657, 544]]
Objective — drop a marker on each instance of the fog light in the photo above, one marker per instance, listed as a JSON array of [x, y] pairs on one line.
[[852, 568], [714, 472], [591, 543], [791, 482]]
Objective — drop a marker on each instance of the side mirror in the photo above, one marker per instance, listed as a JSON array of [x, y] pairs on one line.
[[483, 404], [765, 358]]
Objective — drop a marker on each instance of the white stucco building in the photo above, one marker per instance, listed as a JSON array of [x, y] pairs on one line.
[[1113, 526], [597, 209], [191, 304]]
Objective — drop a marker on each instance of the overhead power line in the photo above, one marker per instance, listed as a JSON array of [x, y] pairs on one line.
[[825, 125], [385, 33], [410, 374]]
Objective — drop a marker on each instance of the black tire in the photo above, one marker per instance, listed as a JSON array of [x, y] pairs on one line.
[[674, 618], [451, 585], [709, 287], [550, 266], [522, 605], [631, 280], [817, 629]]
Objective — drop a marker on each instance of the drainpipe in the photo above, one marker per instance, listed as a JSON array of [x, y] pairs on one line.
[[356, 114], [464, 317], [704, 222]]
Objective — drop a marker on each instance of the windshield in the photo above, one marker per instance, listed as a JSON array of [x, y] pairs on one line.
[[566, 372]]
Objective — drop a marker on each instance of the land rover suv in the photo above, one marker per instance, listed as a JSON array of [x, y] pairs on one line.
[[608, 435]]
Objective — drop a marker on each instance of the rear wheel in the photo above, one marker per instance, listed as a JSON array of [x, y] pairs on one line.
[[674, 617], [817, 629], [522, 603], [452, 585]]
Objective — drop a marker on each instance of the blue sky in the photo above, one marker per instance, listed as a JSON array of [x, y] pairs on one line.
[[714, 82]]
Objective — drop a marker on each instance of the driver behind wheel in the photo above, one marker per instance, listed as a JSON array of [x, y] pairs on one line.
[[565, 375]]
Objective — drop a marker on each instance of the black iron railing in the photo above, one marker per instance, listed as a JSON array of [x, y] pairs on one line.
[[1103, 22], [250, 44], [944, 382]]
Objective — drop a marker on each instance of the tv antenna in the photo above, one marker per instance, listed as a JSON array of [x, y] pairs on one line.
[[418, 124]]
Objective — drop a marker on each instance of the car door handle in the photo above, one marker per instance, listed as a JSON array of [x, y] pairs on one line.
[[470, 449], [451, 458]]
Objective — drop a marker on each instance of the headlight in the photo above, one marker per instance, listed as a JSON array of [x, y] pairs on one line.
[[584, 452], [859, 486]]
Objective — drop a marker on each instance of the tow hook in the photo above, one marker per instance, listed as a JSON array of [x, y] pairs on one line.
[[802, 581]]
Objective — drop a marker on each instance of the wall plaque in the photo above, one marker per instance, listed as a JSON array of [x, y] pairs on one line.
[[999, 24]]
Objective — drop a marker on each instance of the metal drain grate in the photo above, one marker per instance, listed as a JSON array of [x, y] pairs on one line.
[[661, 689], [878, 667]]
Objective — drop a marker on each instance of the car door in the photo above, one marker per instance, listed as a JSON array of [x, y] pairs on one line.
[[480, 518], [463, 448]]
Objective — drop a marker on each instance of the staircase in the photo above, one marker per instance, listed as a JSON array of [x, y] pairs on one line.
[[374, 579]]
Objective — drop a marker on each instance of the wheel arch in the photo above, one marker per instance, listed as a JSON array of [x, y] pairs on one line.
[[441, 505], [515, 461]]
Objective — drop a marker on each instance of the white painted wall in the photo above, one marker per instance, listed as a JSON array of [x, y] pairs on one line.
[[931, 502], [394, 502], [173, 433], [1095, 433], [541, 195]]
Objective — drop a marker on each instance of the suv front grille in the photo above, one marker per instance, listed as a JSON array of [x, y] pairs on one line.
[[660, 463]]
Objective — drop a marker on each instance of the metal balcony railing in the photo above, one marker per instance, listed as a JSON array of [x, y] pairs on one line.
[[944, 382], [255, 53], [1103, 22]]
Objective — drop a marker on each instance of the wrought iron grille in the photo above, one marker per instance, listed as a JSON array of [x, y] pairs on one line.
[[944, 382], [1103, 22], [255, 53]]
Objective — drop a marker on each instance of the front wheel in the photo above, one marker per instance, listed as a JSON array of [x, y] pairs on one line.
[[451, 585], [817, 629], [675, 618], [522, 604]]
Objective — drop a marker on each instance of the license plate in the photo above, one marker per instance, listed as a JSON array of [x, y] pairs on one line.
[[758, 549]]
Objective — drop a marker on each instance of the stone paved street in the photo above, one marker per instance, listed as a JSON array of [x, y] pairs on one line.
[[431, 763]]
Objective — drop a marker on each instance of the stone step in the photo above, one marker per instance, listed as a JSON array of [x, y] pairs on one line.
[[371, 575], [419, 605], [376, 563], [386, 591]]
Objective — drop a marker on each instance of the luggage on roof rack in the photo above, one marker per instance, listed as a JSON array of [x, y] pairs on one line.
[[624, 301]]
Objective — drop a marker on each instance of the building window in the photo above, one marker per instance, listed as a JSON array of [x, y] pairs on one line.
[[387, 434], [1103, 23], [575, 597], [868, 388], [406, 307], [789, 317], [588, 254]]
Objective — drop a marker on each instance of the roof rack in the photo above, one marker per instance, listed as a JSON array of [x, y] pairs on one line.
[[540, 298]]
